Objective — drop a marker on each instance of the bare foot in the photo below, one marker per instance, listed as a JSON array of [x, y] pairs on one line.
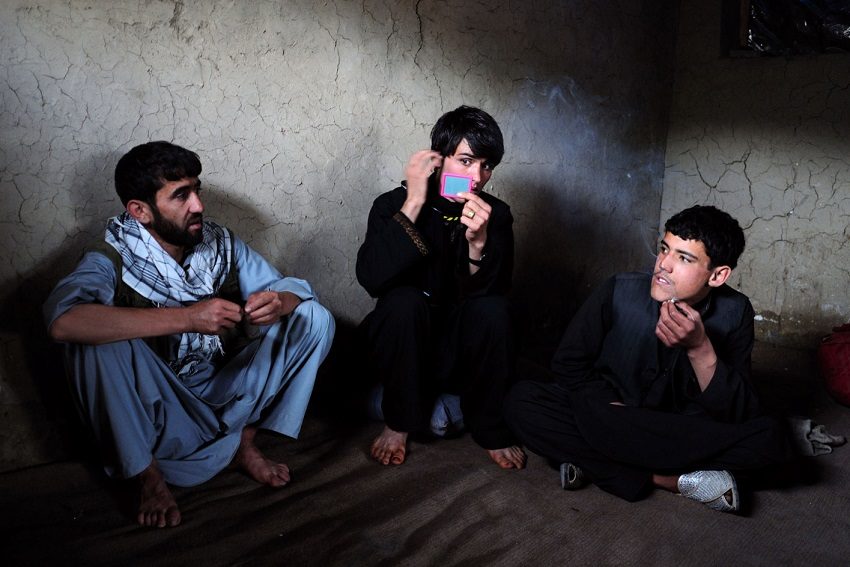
[[390, 447], [252, 461], [508, 458], [157, 507]]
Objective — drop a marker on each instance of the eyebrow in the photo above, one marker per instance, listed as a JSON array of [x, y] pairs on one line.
[[680, 251], [195, 186]]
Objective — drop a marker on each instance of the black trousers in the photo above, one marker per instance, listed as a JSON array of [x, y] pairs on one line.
[[419, 351], [620, 448]]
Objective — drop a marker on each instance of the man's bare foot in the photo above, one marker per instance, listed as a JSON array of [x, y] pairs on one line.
[[256, 465], [508, 458], [157, 507], [390, 447]]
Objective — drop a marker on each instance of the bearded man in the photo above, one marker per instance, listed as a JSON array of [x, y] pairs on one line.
[[181, 341]]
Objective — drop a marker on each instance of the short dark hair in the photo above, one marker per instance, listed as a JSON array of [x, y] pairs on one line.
[[142, 171], [473, 124], [721, 234]]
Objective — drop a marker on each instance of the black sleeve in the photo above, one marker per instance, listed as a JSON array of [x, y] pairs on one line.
[[730, 396], [575, 360], [392, 245], [494, 274]]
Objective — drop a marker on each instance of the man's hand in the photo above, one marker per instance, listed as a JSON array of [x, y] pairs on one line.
[[680, 325], [419, 168], [212, 316], [475, 216], [267, 307]]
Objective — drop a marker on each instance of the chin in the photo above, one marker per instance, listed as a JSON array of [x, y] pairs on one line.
[[660, 294]]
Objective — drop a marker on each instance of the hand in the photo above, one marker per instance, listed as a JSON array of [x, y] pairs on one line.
[[267, 307], [419, 168], [680, 325], [475, 216], [213, 316]]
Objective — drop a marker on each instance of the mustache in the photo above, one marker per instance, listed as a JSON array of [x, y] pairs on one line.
[[666, 275]]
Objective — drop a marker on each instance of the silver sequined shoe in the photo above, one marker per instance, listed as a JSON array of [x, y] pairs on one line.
[[715, 489]]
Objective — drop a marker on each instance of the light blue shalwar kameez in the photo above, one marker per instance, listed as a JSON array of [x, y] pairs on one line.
[[138, 408]]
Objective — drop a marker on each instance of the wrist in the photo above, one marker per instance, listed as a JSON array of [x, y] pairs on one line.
[[704, 353], [411, 208]]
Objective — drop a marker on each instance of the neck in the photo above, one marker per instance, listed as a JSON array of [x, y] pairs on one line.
[[176, 252]]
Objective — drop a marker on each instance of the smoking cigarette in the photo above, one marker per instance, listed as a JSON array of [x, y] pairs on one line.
[[674, 301]]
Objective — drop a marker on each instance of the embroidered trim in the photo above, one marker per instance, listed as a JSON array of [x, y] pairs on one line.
[[411, 231]]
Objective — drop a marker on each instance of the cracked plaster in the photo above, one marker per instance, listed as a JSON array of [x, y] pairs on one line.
[[303, 112], [766, 139]]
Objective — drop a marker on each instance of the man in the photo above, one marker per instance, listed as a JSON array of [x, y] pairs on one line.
[[181, 340], [653, 372], [440, 269]]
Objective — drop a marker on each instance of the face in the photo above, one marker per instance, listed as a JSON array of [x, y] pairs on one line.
[[464, 162], [178, 214], [682, 271]]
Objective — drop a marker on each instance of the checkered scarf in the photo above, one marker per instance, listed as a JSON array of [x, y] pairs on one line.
[[153, 274]]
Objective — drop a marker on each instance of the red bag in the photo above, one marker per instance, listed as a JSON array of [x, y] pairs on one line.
[[834, 362]]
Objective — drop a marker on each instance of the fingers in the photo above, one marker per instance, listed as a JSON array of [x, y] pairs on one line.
[[213, 316], [422, 164], [222, 313], [475, 213], [678, 324], [257, 300], [263, 307]]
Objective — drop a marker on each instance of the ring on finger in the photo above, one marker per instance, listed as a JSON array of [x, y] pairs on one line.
[[470, 214]]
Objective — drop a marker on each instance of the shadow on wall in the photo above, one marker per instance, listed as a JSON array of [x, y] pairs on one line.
[[40, 422], [568, 245], [35, 430]]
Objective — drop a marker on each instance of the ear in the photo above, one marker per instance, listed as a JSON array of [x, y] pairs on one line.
[[719, 275], [140, 211]]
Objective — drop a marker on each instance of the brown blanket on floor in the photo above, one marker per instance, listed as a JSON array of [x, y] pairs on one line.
[[447, 505]]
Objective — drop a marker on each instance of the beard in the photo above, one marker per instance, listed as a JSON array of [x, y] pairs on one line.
[[174, 234]]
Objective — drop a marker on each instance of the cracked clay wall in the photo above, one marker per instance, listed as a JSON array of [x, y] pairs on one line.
[[767, 140], [302, 113]]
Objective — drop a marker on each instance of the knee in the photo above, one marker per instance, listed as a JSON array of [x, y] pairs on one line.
[[320, 319], [405, 296], [84, 358], [489, 312], [404, 303]]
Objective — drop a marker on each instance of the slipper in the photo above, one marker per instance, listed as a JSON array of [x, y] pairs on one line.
[[572, 477], [711, 488]]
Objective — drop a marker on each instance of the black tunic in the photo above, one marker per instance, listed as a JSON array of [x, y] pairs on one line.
[[436, 328], [610, 353]]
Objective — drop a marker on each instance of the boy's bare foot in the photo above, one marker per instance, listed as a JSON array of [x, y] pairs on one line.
[[508, 458], [251, 460], [157, 507], [390, 447]]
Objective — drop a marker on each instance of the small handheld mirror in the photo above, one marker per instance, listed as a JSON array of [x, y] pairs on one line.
[[451, 185]]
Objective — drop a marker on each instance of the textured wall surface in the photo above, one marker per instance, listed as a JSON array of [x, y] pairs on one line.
[[302, 113], [767, 140]]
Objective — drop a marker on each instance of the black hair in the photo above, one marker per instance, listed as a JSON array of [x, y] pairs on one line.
[[721, 234], [142, 171], [475, 126]]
